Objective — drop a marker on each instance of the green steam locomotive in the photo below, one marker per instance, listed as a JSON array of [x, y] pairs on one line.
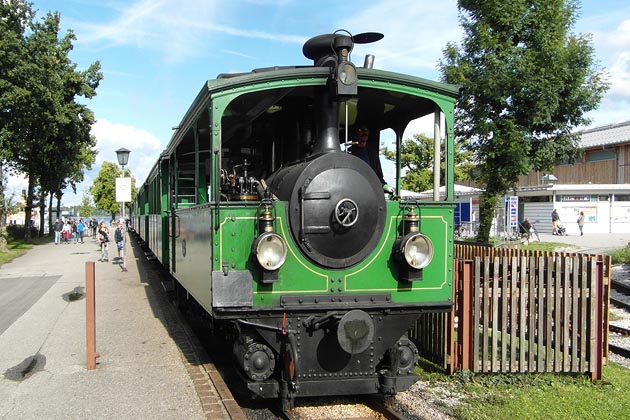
[[304, 259]]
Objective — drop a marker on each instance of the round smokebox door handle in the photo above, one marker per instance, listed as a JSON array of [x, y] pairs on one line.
[[346, 212]]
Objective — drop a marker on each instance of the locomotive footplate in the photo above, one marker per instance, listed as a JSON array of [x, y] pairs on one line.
[[383, 384]]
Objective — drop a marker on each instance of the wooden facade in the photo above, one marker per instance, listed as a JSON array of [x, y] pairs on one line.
[[605, 159], [606, 172]]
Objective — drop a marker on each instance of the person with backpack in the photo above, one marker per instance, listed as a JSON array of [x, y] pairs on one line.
[[580, 222]]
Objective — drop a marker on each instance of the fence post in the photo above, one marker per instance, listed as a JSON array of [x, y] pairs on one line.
[[452, 353], [596, 369], [90, 315], [465, 315]]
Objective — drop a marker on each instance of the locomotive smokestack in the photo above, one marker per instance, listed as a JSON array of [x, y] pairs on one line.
[[328, 138], [333, 51]]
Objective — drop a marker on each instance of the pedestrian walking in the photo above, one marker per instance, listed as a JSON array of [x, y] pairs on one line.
[[66, 232], [118, 237], [75, 233], [103, 239], [580, 222], [58, 228], [94, 226], [80, 229]]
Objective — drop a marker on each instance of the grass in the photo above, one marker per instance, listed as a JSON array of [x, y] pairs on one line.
[[540, 396], [18, 247], [621, 255], [546, 246]]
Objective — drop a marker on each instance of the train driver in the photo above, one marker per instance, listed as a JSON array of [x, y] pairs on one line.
[[369, 155]]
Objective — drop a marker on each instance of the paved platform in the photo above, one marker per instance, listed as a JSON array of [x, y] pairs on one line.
[[146, 369], [591, 243]]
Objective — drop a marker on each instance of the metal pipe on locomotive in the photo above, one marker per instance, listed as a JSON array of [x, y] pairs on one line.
[[289, 243]]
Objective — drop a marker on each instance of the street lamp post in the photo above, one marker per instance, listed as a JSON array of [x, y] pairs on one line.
[[123, 192], [123, 157]]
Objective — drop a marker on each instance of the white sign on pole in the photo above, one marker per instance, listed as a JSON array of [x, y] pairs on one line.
[[511, 211], [123, 190]]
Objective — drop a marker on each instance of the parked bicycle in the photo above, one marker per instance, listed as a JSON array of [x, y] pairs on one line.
[[528, 230]]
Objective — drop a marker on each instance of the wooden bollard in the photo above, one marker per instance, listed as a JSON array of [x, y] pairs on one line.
[[90, 315]]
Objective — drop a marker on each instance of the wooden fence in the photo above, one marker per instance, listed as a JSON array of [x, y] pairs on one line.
[[518, 311]]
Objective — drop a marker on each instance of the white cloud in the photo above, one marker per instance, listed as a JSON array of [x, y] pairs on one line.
[[145, 150], [413, 41], [612, 48], [177, 30]]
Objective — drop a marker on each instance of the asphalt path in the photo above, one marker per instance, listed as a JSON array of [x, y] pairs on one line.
[[18, 294]]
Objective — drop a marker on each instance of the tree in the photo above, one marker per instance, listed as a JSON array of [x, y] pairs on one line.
[[15, 16], [87, 208], [47, 127], [104, 188], [416, 160], [527, 84]]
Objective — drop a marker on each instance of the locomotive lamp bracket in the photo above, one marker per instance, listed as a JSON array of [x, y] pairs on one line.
[[268, 277], [269, 249], [409, 274]]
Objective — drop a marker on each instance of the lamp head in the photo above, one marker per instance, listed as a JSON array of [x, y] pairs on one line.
[[123, 156]]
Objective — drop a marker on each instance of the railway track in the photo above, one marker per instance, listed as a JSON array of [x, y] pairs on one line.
[[616, 349], [620, 297], [355, 408]]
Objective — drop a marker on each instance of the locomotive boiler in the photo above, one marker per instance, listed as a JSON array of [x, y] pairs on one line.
[[294, 247]]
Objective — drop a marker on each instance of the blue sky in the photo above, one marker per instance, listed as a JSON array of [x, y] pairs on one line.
[[157, 54]]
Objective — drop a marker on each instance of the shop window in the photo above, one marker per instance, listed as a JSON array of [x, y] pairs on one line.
[[600, 155]]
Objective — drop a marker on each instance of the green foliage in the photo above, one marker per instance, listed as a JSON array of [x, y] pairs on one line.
[[416, 160], [621, 255], [44, 131], [16, 232], [527, 84], [103, 189], [87, 207]]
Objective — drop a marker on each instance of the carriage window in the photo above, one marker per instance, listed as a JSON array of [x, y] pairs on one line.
[[192, 168]]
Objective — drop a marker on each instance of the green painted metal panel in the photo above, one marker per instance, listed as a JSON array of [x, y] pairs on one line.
[[378, 273]]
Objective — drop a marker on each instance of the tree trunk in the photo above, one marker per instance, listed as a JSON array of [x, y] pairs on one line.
[[3, 214], [58, 195], [50, 218], [28, 208], [42, 216], [487, 203]]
